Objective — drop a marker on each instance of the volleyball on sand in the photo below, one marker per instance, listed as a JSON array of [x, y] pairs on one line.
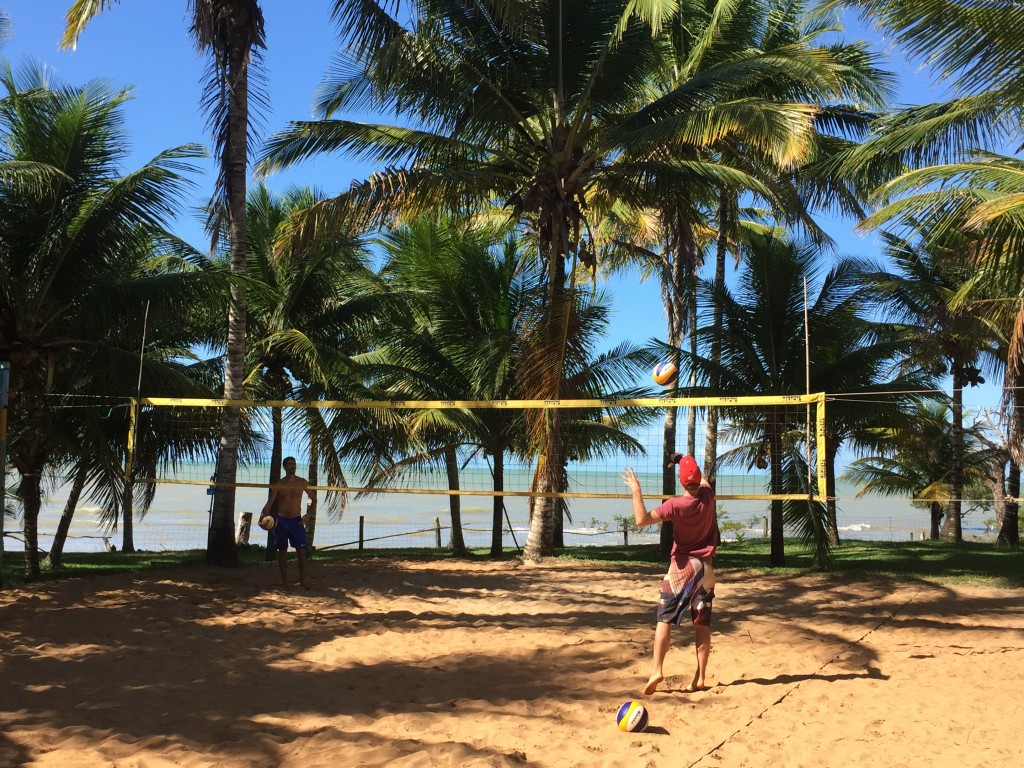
[[268, 522], [632, 717], [665, 374]]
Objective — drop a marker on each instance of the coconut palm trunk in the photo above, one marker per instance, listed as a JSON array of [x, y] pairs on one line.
[[234, 169], [937, 512], [953, 527], [498, 507], [30, 492], [540, 541], [61, 536], [550, 350], [711, 419], [313, 476], [229, 31], [128, 513], [276, 457], [451, 465], [674, 296], [668, 473], [1009, 531], [691, 344]]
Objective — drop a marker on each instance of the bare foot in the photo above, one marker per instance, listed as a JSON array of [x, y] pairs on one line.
[[696, 685], [652, 684]]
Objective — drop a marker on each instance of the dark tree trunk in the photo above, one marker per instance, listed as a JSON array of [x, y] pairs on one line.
[[1009, 531], [30, 491], [451, 464], [540, 540], [691, 310], [711, 418], [57, 548], [674, 297], [313, 476], [220, 547], [498, 508], [953, 528], [561, 508], [936, 520], [276, 457], [668, 474]]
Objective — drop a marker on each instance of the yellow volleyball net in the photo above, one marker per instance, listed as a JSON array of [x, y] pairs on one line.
[[765, 447]]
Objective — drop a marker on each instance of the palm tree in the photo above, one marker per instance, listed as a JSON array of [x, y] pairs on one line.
[[75, 240], [300, 317], [974, 203], [458, 298], [763, 352], [97, 469], [973, 46], [230, 32], [915, 460], [513, 111], [944, 333], [846, 81]]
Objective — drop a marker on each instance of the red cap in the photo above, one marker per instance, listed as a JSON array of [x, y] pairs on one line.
[[689, 472]]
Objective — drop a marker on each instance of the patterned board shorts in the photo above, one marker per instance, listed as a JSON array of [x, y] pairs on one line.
[[692, 586]]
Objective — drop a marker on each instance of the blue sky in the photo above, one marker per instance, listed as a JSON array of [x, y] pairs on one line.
[[145, 44]]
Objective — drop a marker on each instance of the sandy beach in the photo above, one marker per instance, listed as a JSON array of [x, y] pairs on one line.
[[441, 663]]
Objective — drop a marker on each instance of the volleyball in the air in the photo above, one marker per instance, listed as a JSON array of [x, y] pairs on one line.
[[632, 717], [268, 522], [665, 374]]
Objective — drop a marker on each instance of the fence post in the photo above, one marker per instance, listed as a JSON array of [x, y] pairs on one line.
[[764, 527], [437, 532], [625, 533], [361, 519]]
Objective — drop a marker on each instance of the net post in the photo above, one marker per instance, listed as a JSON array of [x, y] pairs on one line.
[[361, 521], [127, 502], [822, 462]]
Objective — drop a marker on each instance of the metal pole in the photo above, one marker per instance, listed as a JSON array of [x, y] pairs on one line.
[[5, 377], [142, 352], [128, 502], [807, 360]]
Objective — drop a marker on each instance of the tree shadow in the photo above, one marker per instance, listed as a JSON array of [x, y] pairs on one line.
[[221, 663]]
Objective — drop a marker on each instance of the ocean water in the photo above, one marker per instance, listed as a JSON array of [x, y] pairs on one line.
[[179, 516]]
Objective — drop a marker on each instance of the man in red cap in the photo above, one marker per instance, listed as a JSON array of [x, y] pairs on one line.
[[690, 581]]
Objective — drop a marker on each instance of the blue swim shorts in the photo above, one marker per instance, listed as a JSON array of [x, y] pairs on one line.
[[290, 530]]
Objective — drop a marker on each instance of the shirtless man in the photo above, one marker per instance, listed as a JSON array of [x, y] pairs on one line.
[[286, 499], [690, 581]]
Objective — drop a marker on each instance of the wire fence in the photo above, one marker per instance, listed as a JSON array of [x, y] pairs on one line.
[[857, 520]]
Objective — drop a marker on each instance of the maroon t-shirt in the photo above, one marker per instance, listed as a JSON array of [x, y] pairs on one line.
[[694, 528]]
